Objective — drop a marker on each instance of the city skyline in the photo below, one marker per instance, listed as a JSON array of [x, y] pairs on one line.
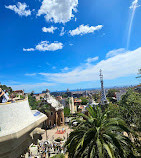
[[63, 44]]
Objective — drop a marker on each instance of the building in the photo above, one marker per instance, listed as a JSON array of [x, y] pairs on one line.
[[19, 92], [39, 96], [19, 128], [77, 103], [56, 115]]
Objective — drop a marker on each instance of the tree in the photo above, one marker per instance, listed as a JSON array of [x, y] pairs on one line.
[[96, 96], [84, 101], [32, 102], [64, 95], [98, 136], [130, 110], [66, 111], [4, 87], [111, 92]]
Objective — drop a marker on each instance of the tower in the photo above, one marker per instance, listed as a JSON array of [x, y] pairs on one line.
[[103, 96]]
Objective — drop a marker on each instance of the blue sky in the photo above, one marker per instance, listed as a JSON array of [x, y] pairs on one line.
[[63, 44]]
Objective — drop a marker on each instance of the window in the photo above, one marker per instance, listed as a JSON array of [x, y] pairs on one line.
[[61, 119], [51, 113]]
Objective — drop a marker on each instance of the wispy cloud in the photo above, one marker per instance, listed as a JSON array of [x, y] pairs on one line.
[[120, 65], [65, 69], [134, 4], [90, 60], [46, 46], [20, 8], [133, 7], [29, 87], [85, 29], [49, 29], [115, 52], [58, 11], [62, 32], [32, 74]]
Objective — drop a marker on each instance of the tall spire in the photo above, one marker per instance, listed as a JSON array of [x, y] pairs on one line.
[[103, 96]]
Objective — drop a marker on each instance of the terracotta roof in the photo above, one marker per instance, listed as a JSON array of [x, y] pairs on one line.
[[19, 91]]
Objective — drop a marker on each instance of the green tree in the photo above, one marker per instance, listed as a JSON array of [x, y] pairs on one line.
[[64, 95], [4, 87], [98, 136], [96, 96], [111, 92], [84, 100], [130, 110], [32, 102], [66, 111]]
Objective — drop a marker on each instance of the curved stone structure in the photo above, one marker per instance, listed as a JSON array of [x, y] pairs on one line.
[[17, 124]]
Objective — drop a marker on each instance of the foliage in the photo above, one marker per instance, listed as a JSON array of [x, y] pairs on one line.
[[4, 87], [130, 108], [59, 156], [44, 108], [99, 136], [84, 100], [32, 102], [111, 92], [66, 111], [22, 97], [96, 96], [64, 95], [114, 110]]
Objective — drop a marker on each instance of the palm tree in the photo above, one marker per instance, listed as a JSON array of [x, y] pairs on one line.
[[98, 136]]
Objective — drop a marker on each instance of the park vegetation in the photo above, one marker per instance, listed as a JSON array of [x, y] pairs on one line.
[[110, 132]]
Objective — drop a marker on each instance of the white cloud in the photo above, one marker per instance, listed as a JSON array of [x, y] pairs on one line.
[[118, 66], [49, 29], [62, 32], [33, 74], [30, 87], [89, 60], [46, 46], [134, 4], [65, 69], [84, 29], [20, 9], [29, 49], [58, 11], [115, 52]]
